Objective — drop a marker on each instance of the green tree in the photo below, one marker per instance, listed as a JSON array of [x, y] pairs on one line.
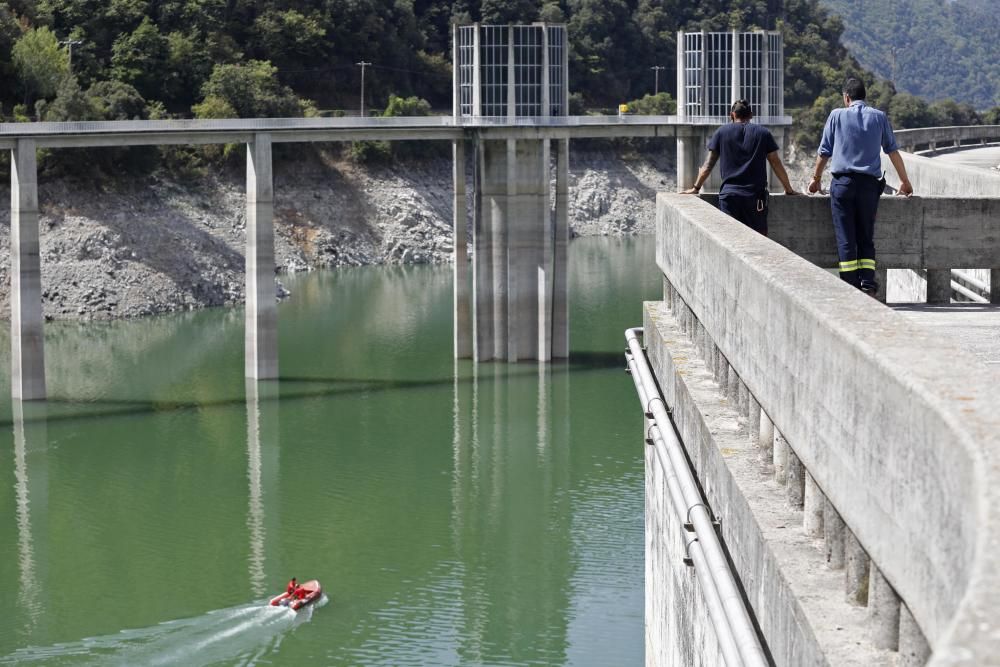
[[499, 12], [290, 39], [661, 104], [70, 104], [140, 58], [40, 64], [251, 90], [909, 111], [950, 112]]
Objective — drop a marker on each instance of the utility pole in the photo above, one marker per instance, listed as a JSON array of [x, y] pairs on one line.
[[363, 65], [657, 68], [70, 43]]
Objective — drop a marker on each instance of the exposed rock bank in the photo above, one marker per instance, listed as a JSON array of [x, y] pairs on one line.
[[155, 244]]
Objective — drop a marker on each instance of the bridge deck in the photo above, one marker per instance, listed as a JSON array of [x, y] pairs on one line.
[[975, 327], [235, 130], [973, 157]]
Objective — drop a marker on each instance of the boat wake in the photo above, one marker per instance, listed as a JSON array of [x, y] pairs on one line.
[[237, 635]]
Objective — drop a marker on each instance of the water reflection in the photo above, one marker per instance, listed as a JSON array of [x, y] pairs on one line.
[[30, 445], [262, 472], [510, 488]]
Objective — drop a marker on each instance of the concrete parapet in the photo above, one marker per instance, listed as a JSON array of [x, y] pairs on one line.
[[954, 136], [797, 602], [901, 431], [918, 232]]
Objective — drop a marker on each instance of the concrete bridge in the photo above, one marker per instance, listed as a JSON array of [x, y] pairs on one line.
[[505, 312], [849, 453]]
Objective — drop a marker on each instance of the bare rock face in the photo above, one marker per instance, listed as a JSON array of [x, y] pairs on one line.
[[156, 244]]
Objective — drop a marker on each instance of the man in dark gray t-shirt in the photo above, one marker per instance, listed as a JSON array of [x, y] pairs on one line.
[[743, 150]]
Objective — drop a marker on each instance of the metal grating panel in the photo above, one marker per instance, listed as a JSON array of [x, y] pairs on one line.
[[519, 67], [714, 61]]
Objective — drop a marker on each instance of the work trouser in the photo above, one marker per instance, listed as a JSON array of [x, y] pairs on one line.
[[854, 203], [750, 210]]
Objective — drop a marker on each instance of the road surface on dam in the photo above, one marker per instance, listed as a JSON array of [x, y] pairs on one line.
[[455, 514], [974, 327]]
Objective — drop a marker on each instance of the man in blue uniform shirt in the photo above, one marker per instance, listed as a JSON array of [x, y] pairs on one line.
[[743, 149], [852, 140]]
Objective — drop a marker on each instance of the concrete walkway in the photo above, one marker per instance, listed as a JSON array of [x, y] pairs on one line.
[[974, 327], [974, 157]]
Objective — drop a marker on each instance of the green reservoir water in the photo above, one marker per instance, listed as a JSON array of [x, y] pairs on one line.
[[455, 514]]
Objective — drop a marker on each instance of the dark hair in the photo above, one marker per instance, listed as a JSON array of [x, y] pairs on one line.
[[854, 89], [742, 109]]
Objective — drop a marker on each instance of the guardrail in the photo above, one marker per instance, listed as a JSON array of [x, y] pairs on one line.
[[935, 139], [893, 428]]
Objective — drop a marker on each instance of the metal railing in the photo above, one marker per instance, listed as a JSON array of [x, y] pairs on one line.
[[731, 620]]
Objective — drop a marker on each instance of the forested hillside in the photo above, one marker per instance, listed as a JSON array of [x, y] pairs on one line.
[[932, 48]]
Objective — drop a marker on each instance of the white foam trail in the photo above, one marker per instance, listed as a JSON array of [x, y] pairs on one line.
[[245, 633]]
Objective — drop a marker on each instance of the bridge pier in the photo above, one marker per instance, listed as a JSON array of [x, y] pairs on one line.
[[520, 269], [463, 309], [27, 380], [938, 286], [261, 334]]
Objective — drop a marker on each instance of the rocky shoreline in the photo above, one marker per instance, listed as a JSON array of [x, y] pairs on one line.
[[155, 244]]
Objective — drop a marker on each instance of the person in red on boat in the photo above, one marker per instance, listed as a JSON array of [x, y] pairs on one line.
[[301, 592], [292, 585]]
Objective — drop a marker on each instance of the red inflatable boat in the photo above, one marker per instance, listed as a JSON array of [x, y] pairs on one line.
[[305, 594]]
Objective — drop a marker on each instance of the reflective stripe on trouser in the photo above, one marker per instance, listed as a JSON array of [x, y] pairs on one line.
[[854, 202]]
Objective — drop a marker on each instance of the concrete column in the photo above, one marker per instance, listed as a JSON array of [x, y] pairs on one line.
[[511, 77], [456, 87], [796, 480], [765, 440], [883, 611], [734, 93], [721, 372], [765, 79], [526, 215], [994, 285], [261, 305], [546, 102], [913, 648], [833, 534], [27, 366], [477, 96], [813, 501], [703, 92], [856, 565], [503, 283], [753, 420], [560, 251], [482, 265], [462, 307], [733, 388], [681, 78], [546, 284], [743, 400], [882, 278], [780, 458], [489, 231], [689, 155], [938, 286]]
